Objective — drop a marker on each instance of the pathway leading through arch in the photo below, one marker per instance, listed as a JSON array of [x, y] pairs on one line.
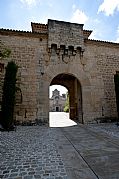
[[60, 119]]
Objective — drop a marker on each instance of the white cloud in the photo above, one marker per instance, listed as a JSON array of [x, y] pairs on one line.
[[79, 17], [117, 40], [29, 2], [93, 35], [109, 6], [97, 27], [96, 34]]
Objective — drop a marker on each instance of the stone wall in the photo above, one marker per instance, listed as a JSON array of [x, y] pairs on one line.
[[65, 34], [2, 69], [104, 62], [39, 28], [62, 48], [27, 52]]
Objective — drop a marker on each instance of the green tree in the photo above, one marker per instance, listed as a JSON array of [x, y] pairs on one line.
[[66, 108], [4, 52], [116, 80], [8, 98]]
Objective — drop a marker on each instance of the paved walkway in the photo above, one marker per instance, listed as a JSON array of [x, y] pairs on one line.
[[30, 152], [72, 152], [88, 154], [60, 119]]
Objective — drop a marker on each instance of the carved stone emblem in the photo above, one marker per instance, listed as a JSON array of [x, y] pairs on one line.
[[65, 58]]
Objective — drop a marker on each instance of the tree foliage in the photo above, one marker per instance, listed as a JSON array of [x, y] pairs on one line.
[[116, 80], [4, 52], [8, 98], [66, 108]]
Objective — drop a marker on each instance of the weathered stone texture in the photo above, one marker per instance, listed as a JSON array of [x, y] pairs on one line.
[[65, 33], [1, 80], [50, 52], [106, 57], [26, 52]]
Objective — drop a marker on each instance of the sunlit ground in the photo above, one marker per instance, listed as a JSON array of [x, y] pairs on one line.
[[60, 119]]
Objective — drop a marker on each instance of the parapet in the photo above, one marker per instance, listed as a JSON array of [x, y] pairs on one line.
[[39, 28], [65, 34]]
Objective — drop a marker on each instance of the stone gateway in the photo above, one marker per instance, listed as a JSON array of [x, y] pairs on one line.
[[61, 53]]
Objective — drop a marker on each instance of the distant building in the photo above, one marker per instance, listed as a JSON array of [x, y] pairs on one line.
[[57, 102]]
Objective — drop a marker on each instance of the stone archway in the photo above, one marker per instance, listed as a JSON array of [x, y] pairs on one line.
[[75, 94], [63, 74]]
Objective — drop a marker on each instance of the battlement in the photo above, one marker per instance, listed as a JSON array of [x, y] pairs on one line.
[[66, 34], [39, 28]]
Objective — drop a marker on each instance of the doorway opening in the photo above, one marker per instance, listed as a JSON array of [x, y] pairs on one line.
[[57, 109], [57, 98], [74, 93]]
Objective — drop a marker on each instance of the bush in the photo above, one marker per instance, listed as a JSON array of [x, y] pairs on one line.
[[116, 80], [4, 52], [8, 98], [66, 108]]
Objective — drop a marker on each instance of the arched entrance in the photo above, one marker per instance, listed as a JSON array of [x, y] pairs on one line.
[[75, 94]]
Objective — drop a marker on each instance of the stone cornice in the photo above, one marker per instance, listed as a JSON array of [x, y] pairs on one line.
[[22, 33], [102, 43]]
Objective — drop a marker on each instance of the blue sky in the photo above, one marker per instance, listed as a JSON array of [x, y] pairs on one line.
[[101, 16]]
